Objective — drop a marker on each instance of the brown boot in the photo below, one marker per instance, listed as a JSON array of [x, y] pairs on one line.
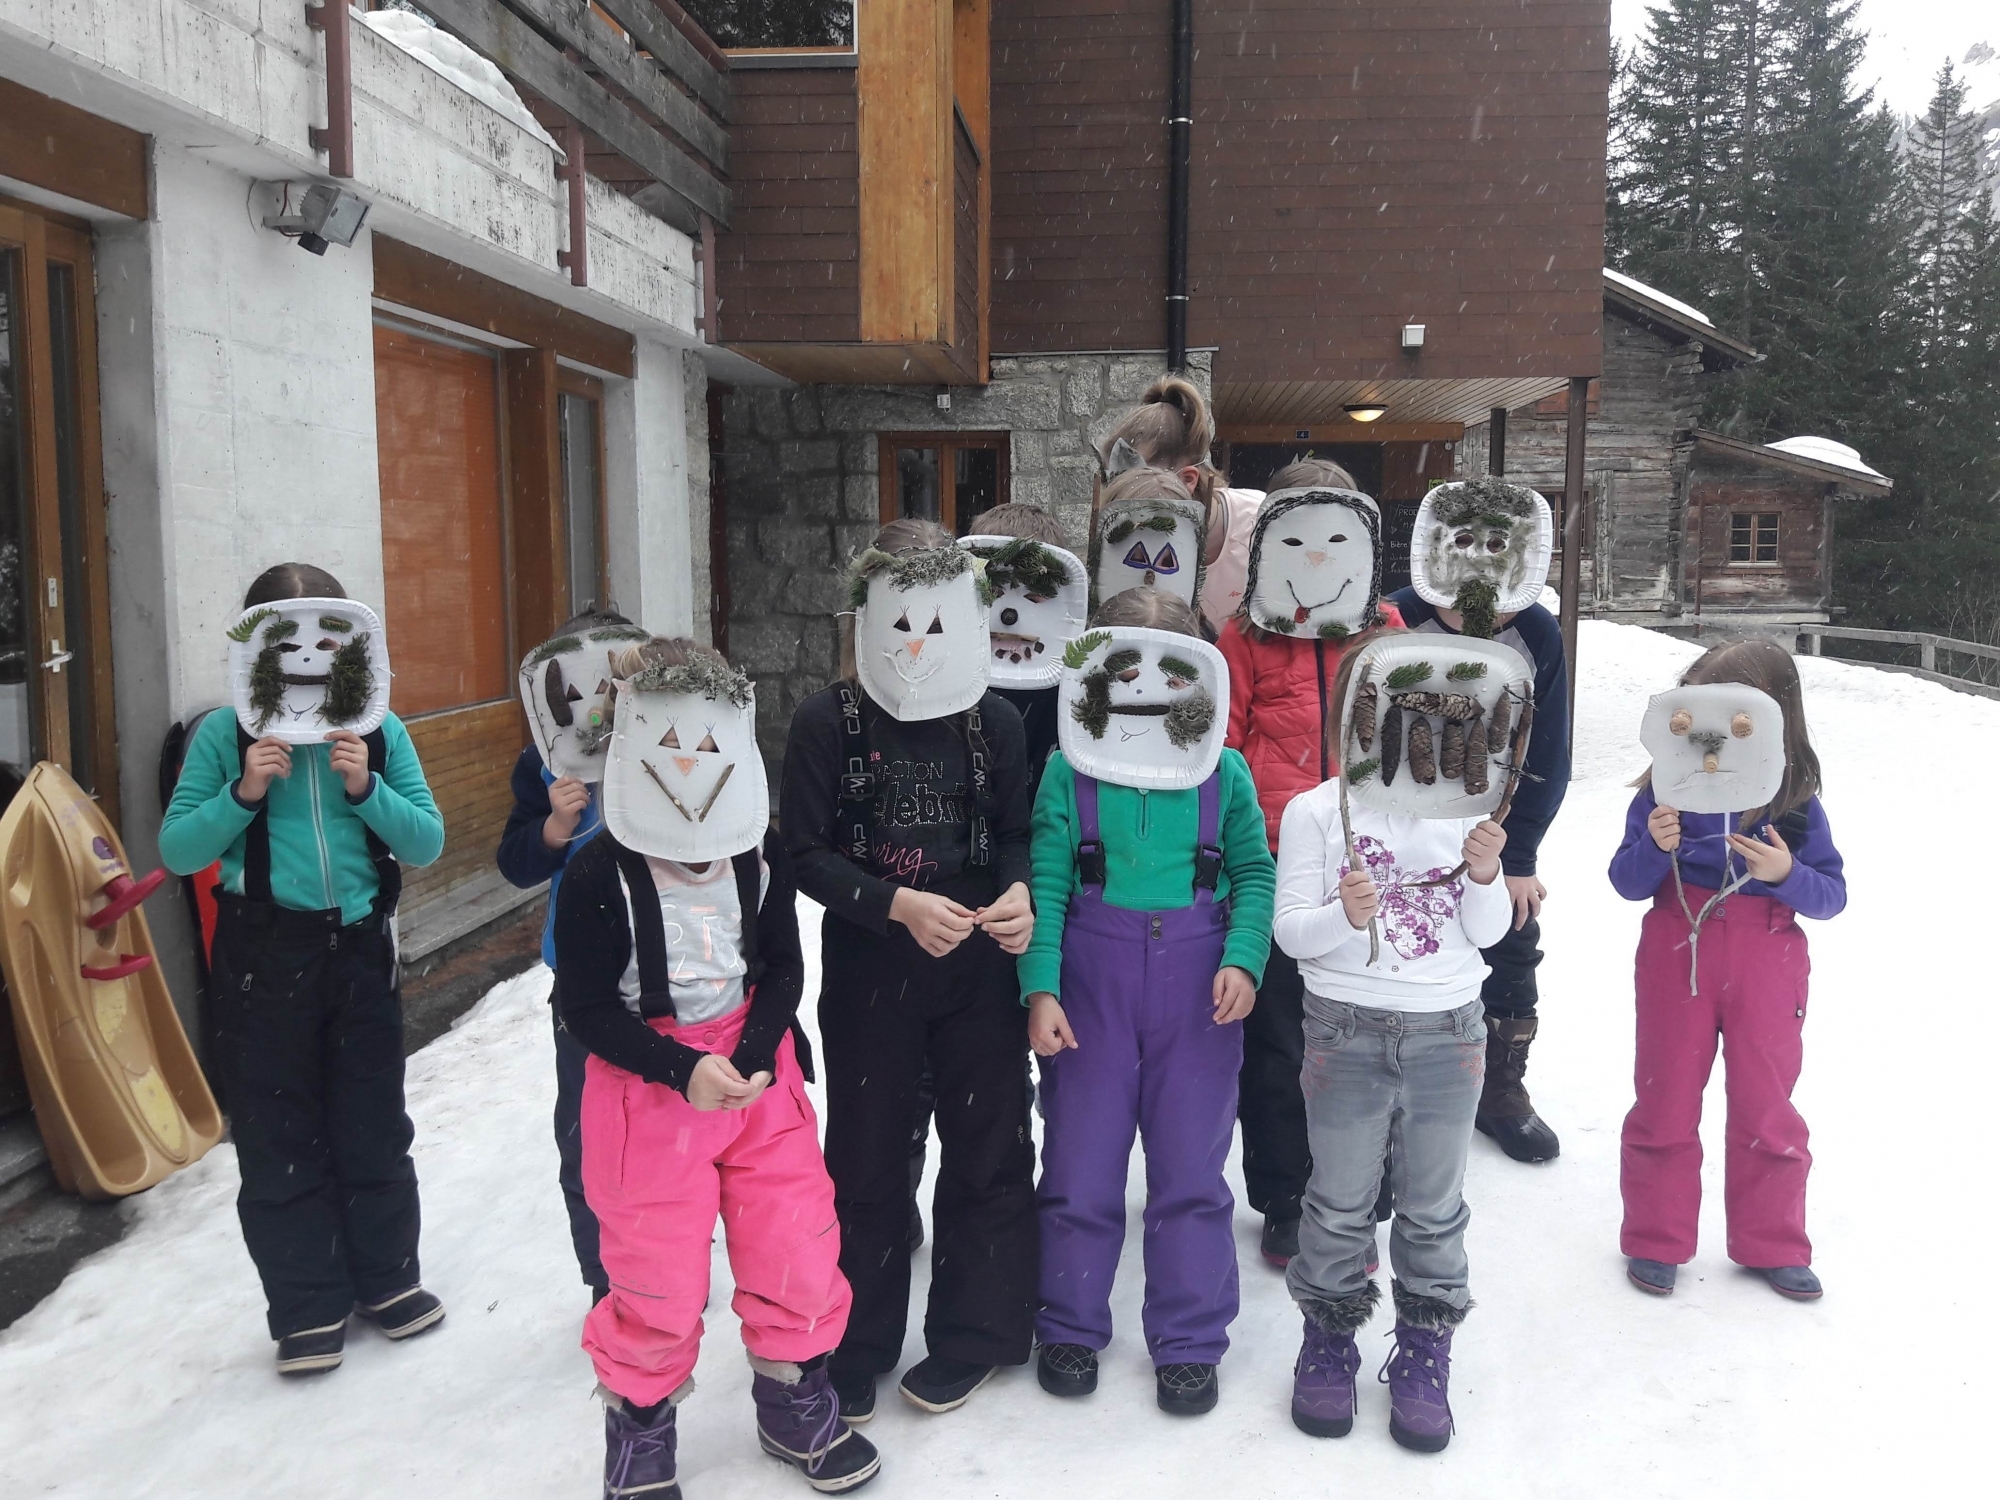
[[1505, 1111]]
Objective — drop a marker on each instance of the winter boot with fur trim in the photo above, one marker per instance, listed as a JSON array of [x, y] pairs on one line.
[[1323, 1375], [1505, 1111], [638, 1450], [798, 1420], [1418, 1371]]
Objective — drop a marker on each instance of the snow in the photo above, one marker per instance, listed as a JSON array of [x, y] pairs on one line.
[[148, 1371], [448, 57], [1619, 278], [1827, 451]]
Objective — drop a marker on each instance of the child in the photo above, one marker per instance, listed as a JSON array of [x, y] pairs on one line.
[[308, 1019], [911, 828], [681, 978], [1278, 708], [1145, 957], [1751, 992], [553, 817], [1395, 1052]]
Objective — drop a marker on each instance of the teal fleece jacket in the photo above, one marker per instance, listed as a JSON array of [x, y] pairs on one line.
[[319, 838], [1149, 849]]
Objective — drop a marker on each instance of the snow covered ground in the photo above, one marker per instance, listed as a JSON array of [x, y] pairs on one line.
[[148, 1373]]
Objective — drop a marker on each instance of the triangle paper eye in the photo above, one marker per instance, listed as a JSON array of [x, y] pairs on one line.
[[1718, 747], [1040, 597], [711, 802], [1300, 585], [1148, 543], [920, 643], [1434, 726], [570, 725], [1144, 708], [301, 668]]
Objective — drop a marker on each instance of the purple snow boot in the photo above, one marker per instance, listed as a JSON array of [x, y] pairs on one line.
[[798, 1420], [1418, 1371], [638, 1454], [1323, 1375]]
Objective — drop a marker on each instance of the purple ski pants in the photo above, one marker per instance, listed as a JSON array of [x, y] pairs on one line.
[[1137, 988]]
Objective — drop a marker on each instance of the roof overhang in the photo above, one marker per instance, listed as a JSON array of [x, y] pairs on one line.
[[1793, 463], [1719, 350], [1320, 405]]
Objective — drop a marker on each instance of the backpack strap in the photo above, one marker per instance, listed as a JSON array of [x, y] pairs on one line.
[[1208, 847], [257, 837], [854, 812], [1090, 840], [979, 846]]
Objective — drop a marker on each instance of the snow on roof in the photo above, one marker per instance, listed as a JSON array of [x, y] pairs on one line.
[[456, 63], [1619, 278], [1827, 451]]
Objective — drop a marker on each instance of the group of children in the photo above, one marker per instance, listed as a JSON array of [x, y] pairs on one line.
[[1029, 832]]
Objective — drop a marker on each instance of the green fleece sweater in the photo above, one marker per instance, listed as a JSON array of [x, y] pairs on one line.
[[1149, 848], [319, 839]]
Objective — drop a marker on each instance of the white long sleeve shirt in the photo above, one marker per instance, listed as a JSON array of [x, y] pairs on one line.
[[1431, 935]]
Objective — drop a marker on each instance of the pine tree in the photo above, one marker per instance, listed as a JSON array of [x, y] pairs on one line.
[[774, 23]]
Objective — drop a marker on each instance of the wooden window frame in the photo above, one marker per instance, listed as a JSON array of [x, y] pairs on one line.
[[575, 383], [947, 444], [1753, 521]]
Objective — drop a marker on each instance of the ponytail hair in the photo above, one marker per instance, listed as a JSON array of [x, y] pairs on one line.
[[1172, 427]]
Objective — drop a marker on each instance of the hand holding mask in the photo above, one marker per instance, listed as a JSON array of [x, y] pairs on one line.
[[1716, 748]]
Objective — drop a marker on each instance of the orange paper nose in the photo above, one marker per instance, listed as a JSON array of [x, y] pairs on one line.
[[686, 763], [915, 648]]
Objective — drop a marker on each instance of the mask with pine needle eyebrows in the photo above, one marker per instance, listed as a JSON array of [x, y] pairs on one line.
[[1041, 597], [566, 689], [1143, 708], [1481, 547], [1152, 543], [1718, 747], [683, 778], [1432, 726], [1314, 564], [302, 668], [920, 642]]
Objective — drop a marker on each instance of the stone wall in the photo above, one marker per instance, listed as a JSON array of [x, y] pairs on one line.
[[800, 475]]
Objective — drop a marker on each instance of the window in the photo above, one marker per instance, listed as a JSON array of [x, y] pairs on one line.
[[1753, 537], [951, 478], [580, 428]]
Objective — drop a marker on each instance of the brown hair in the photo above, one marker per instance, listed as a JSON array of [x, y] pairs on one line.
[[1029, 521], [629, 661], [905, 534], [1148, 609], [1765, 665], [293, 580], [1171, 428], [1311, 474]]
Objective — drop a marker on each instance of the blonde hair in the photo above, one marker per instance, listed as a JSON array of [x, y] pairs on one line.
[[1311, 474], [630, 660], [1171, 428], [905, 534], [1148, 609]]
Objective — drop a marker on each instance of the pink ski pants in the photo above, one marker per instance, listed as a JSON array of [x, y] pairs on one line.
[[657, 1172], [1752, 996]]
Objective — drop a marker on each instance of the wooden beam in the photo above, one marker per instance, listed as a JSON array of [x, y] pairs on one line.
[[644, 79], [536, 515], [1496, 442], [1572, 539], [1341, 432], [672, 50], [519, 51], [330, 19], [413, 278], [63, 149], [972, 90], [904, 48]]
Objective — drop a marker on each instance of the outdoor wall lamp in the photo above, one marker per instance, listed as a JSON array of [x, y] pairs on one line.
[[1413, 337]]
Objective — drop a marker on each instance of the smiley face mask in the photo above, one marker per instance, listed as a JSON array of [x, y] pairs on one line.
[[1151, 543], [1313, 564], [1041, 597], [302, 668], [1143, 708], [1482, 548], [683, 778], [920, 643], [1717, 748], [566, 690]]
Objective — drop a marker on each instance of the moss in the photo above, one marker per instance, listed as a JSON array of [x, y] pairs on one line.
[[267, 686], [336, 624], [350, 682], [1190, 718], [1486, 498], [698, 677], [562, 645], [1026, 564], [1475, 604], [924, 567], [1093, 709]]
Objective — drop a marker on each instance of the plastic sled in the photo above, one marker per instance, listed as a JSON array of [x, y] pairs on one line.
[[118, 1095]]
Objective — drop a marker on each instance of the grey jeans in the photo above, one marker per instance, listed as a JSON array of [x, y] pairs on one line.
[[1395, 1085]]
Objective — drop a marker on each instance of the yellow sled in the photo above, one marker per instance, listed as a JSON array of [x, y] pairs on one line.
[[118, 1095]]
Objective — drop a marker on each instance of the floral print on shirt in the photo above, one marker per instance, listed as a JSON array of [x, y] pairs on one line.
[[1412, 912]]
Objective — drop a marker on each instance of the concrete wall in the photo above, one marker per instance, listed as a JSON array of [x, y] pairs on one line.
[[802, 486]]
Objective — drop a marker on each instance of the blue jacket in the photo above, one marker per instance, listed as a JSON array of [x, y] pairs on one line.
[[523, 858]]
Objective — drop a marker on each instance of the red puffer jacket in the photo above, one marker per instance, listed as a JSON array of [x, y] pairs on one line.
[[1279, 689]]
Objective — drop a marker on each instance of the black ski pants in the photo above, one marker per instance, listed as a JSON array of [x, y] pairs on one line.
[[886, 1007], [1270, 1104], [309, 1026], [1510, 989], [568, 1121]]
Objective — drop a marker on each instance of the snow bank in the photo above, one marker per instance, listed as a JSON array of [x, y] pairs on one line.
[[148, 1372], [456, 63]]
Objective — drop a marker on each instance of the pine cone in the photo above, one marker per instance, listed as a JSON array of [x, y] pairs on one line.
[[1392, 743], [1476, 769], [1423, 762], [1364, 715], [1451, 751]]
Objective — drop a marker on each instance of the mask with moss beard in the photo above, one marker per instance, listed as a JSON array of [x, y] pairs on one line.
[[1142, 708], [1481, 547], [301, 668]]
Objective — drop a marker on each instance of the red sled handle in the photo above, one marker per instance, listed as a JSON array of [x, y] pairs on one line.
[[128, 964], [124, 895]]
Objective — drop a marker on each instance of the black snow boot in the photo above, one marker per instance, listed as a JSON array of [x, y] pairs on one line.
[[313, 1351], [1186, 1390], [1280, 1241], [1067, 1369], [1505, 1111]]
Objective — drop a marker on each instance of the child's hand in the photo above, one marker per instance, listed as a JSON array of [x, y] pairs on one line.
[[267, 760], [1234, 994], [1482, 852], [938, 923], [758, 1082], [1664, 824], [568, 798], [715, 1084], [1048, 1027], [1359, 898], [1009, 921], [1769, 862], [350, 761]]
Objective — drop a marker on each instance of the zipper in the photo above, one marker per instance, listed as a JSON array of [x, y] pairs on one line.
[[319, 837], [1319, 665], [1145, 813]]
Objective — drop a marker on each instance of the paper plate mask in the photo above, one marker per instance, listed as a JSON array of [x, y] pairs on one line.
[[1717, 748], [1144, 708], [1149, 543], [1432, 725], [301, 668], [920, 631], [683, 778], [1041, 597], [1483, 537], [566, 689], [1314, 564]]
